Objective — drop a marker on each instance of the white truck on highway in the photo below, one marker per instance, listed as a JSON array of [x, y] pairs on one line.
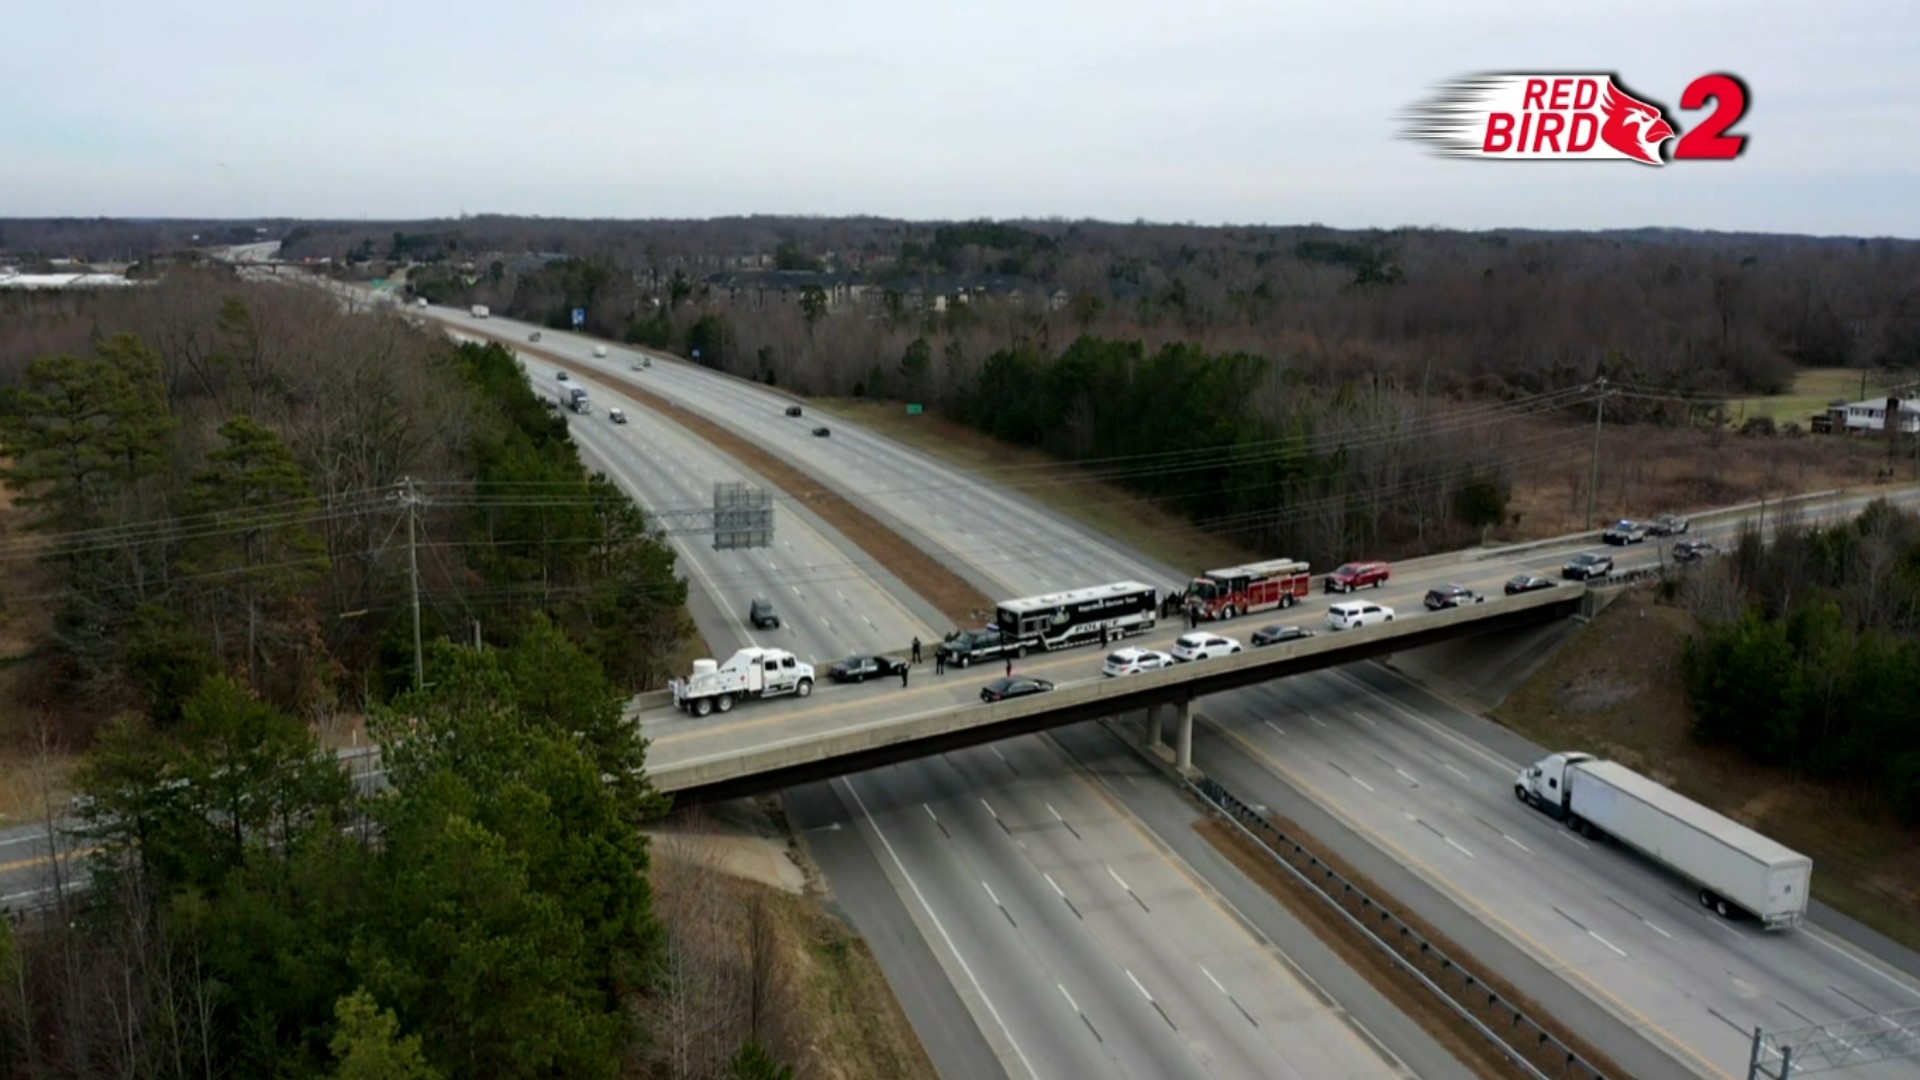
[[1737, 870], [749, 673], [480, 311]]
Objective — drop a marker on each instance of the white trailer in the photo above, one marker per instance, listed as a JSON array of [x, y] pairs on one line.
[[480, 311], [1737, 870], [749, 673]]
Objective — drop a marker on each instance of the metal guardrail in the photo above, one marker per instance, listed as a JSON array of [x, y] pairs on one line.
[[1839, 1044], [1518, 1037]]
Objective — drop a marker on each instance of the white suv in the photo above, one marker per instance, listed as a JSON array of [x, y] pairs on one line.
[[1134, 661], [1357, 613], [1203, 646]]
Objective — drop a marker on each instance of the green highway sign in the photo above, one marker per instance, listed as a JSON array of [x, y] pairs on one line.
[[913, 410]]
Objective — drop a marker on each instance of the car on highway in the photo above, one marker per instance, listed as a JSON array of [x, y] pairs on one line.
[[1523, 583], [600, 350], [1134, 661], [1201, 645], [762, 615], [793, 410], [862, 668], [561, 376], [1357, 613], [1012, 687], [1354, 575], [1625, 532], [1693, 550], [618, 416], [821, 433], [1274, 635], [1587, 564], [535, 336], [1669, 525], [1446, 596]]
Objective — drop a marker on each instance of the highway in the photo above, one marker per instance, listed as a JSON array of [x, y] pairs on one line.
[[1586, 917], [1080, 946]]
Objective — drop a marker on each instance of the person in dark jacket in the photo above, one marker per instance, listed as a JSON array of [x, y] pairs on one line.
[[903, 675], [916, 649]]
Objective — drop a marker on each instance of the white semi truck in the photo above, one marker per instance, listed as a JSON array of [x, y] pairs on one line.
[[749, 673], [1737, 870]]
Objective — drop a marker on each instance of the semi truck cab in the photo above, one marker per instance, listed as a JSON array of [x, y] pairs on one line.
[[1544, 784]]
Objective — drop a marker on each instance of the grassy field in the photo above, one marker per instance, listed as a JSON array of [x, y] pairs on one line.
[[1812, 389], [1615, 690], [1134, 521]]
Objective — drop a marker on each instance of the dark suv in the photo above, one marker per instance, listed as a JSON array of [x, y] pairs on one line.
[[1446, 596], [762, 615]]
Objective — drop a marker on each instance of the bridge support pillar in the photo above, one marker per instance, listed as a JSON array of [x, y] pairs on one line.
[[1183, 736], [1153, 737]]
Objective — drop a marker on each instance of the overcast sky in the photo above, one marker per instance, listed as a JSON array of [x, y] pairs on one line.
[[1195, 110]]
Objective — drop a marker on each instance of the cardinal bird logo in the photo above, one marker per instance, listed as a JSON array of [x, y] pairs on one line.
[[1633, 127], [1572, 116]]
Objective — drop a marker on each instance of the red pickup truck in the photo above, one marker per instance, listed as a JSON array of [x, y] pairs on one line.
[[1354, 575]]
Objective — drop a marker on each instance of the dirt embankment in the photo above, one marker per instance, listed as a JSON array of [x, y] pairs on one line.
[[752, 949]]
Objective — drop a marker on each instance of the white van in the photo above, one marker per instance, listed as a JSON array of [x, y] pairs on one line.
[[599, 350], [1357, 613]]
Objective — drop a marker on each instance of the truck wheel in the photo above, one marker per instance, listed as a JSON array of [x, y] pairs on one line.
[[703, 707], [1286, 602], [1227, 614], [1720, 909], [805, 689], [1379, 582], [1020, 653], [725, 703], [962, 661], [1520, 793]]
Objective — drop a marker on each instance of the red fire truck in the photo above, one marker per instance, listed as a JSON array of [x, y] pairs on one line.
[[1223, 594]]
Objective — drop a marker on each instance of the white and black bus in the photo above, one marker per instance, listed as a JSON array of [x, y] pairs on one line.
[[1077, 616]]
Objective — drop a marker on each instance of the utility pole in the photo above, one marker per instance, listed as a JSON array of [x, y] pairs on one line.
[[413, 581], [1599, 411]]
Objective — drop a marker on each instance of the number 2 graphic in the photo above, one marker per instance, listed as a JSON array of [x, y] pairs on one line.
[[1709, 141]]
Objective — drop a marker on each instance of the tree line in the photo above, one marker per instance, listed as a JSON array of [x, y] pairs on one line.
[[479, 906], [213, 479], [1808, 656]]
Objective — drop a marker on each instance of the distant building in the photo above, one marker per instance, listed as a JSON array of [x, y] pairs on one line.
[[1862, 417], [63, 281]]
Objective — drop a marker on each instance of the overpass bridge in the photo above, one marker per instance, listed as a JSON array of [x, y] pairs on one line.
[[766, 746]]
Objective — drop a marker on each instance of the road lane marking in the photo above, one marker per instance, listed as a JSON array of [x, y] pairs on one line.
[[1467, 900], [1275, 727], [937, 925]]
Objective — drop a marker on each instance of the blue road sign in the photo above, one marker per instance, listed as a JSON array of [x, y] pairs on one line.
[[579, 317]]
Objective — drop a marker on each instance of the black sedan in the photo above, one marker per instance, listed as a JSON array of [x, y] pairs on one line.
[[862, 668], [1017, 686], [1527, 583], [1274, 635], [821, 433]]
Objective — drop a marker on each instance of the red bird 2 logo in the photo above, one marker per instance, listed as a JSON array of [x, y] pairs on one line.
[[1576, 118]]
